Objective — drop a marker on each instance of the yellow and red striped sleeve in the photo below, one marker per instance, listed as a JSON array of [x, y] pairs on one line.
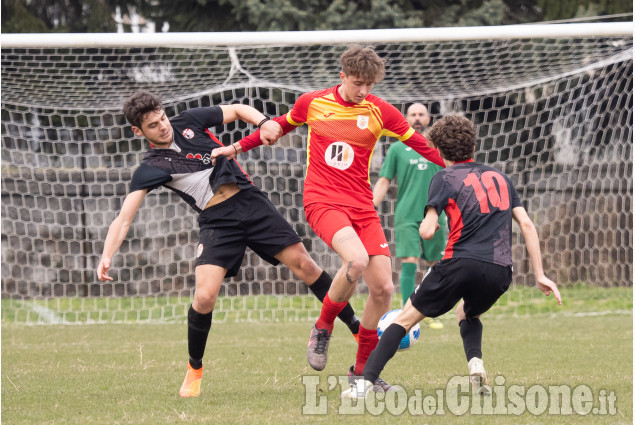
[[289, 121]]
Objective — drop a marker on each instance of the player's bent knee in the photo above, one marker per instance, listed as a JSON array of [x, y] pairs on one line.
[[381, 291], [307, 265], [298, 259], [204, 301], [357, 265]]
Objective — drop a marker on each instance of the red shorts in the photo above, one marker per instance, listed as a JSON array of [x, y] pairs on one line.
[[326, 220]]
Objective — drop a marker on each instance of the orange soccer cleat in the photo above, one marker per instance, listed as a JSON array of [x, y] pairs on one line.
[[192, 383]]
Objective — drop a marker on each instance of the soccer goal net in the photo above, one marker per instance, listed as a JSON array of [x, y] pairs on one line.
[[553, 106]]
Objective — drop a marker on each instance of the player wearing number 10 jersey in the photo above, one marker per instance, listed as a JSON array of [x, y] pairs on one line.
[[479, 231], [476, 270]]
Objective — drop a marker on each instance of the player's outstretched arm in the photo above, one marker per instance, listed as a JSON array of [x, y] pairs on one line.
[[546, 285], [270, 130], [420, 145], [380, 190], [118, 230], [279, 126]]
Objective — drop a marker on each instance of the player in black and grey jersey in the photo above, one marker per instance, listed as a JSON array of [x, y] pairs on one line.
[[233, 213], [480, 203]]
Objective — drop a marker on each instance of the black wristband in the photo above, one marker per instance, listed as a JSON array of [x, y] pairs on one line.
[[264, 120]]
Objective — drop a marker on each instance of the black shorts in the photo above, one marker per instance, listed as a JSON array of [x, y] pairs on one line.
[[247, 219], [479, 283]]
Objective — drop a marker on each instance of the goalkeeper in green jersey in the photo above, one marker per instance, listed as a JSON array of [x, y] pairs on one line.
[[414, 173]]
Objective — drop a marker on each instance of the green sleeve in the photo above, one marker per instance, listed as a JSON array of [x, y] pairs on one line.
[[389, 167]]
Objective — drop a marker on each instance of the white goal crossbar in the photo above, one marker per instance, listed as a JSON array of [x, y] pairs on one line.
[[201, 39]]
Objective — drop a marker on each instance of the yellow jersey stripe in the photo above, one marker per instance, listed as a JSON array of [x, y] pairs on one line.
[[406, 136], [290, 120]]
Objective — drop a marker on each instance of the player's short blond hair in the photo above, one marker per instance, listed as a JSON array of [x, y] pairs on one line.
[[363, 62]]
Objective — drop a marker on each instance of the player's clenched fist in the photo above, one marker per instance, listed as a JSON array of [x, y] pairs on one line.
[[270, 132]]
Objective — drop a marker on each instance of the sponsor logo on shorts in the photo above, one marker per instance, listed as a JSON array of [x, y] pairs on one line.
[[199, 251], [339, 155], [188, 133]]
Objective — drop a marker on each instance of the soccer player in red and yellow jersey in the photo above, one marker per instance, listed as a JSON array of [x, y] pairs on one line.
[[345, 123]]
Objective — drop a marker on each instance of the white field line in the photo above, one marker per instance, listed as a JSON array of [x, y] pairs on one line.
[[45, 315]]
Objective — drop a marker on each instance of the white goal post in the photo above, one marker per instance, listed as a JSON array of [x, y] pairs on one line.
[[553, 107]]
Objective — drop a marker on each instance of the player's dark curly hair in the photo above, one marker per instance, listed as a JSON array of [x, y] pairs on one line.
[[455, 137], [362, 62], [139, 105]]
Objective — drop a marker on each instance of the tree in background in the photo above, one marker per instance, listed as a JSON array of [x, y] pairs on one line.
[[554, 10], [302, 15], [57, 16], [295, 15], [17, 18]]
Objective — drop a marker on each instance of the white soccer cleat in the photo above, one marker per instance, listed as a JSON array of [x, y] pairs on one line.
[[478, 377], [380, 386], [358, 390]]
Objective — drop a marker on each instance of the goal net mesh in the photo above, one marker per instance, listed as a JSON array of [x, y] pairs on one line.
[[554, 114]]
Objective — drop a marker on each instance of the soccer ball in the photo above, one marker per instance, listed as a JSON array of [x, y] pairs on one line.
[[407, 341]]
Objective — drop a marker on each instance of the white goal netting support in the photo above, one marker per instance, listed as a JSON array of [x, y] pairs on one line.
[[553, 107]]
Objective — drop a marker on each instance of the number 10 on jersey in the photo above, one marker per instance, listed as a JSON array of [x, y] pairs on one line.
[[485, 190]]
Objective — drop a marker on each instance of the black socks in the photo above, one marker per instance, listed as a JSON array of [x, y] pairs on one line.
[[385, 350], [198, 326], [472, 334]]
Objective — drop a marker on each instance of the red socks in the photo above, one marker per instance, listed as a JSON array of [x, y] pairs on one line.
[[368, 340], [330, 310]]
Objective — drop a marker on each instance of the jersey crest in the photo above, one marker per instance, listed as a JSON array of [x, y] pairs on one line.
[[188, 133], [362, 121]]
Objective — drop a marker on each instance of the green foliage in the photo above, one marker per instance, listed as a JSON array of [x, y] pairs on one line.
[[190, 15], [96, 16], [282, 15], [16, 18], [566, 9], [490, 12], [22, 16], [561, 8], [521, 11], [465, 13], [294, 15]]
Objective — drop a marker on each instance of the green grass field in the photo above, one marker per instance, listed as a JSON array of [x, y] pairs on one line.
[[131, 373]]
